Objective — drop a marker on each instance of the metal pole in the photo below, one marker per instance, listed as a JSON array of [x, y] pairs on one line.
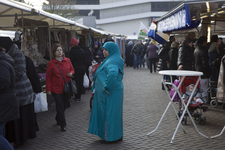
[[49, 36]]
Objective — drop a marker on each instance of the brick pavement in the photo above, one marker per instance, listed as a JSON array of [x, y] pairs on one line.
[[144, 103]]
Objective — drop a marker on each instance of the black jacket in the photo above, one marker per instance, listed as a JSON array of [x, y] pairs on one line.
[[9, 106], [137, 49], [77, 57], [202, 61], [163, 58], [185, 57], [33, 76], [173, 54]]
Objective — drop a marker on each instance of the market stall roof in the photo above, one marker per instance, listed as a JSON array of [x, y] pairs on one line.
[[10, 11], [99, 31], [188, 15]]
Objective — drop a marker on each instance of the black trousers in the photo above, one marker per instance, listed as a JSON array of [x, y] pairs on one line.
[[79, 79], [62, 102], [152, 62]]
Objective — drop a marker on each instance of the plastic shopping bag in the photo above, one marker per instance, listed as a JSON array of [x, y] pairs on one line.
[[40, 104], [86, 81], [172, 92]]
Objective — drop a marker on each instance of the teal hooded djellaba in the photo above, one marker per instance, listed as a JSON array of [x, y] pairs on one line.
[[107, 112]]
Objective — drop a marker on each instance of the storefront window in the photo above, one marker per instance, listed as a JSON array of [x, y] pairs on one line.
[[163, 6]]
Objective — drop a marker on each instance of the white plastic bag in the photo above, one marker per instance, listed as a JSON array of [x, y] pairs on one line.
[[86, 81], [40, 104]]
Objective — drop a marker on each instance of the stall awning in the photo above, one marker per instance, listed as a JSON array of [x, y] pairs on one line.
[[10, 11]]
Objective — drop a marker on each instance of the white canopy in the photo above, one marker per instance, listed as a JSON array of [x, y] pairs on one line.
[[9, 10]]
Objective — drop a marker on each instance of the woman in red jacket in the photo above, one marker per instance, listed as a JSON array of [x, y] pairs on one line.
[[55, 82]]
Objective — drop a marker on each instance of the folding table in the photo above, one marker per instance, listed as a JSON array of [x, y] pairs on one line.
[[184, 74]]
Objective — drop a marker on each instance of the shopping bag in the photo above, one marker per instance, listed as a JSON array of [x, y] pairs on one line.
[[172, 92], [73, 86], [86, 81], [40, 104]]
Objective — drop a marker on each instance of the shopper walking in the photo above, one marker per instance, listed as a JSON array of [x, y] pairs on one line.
[[55, 83], [107, 112], [77, 57], [152, 56], [136, 51]]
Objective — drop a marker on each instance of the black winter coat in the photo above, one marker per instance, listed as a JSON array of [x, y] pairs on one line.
[[173, 54], [33, 76], [9, 106], [129, 57], [185, 57], [202, 61], [163, 58], [137, 49], [77, 58]]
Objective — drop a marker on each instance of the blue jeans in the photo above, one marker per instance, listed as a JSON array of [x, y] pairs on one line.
[[137, 59], [142, 62], [4, 144], [148, 62]]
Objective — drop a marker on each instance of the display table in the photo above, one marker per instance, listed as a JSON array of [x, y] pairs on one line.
[[178, 73]]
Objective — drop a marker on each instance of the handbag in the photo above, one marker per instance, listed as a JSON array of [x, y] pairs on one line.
[[40, 104], [73, 87], [67, 88]]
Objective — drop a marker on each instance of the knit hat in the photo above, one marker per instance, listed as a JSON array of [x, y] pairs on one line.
[[96, 43], [74, 41]]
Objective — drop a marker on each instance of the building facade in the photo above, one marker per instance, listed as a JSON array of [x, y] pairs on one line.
[[124, 16]]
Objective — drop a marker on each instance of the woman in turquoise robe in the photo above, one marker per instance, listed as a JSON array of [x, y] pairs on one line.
[[107, 112]]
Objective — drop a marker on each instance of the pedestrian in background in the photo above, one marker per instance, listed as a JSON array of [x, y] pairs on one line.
[[107, 112], [152, 56], [214, 54], [185, 59], [202, 64], [97, 52], [77, 57], [136, 51], [129, 58], [55, 83], [9, 105], [19, 130]]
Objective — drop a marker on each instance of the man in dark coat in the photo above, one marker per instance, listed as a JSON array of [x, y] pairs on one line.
[[129, 57], [185, 59], [136, 51], [202, 63], [77, 57]]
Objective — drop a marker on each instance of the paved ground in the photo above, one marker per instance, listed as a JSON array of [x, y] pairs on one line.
[[144, 104]]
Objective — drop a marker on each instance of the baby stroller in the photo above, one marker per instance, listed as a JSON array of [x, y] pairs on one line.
[[194, 109], [92, 70], [211, 96]]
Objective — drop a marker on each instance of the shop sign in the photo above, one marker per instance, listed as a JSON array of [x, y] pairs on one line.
[[178, 20]]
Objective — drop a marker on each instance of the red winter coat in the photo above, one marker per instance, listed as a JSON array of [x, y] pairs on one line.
[[54, 81]]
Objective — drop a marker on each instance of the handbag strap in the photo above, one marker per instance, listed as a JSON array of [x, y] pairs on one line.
[[60, 72]]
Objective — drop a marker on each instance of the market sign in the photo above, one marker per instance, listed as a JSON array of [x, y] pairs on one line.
[[178, 20]]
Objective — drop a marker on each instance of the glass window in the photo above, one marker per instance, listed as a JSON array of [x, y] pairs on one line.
[[163, 6]]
